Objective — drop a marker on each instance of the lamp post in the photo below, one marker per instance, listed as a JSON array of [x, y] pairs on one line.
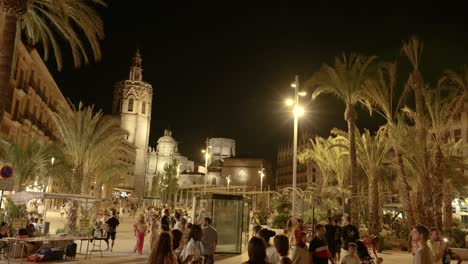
[[262, 174], [297, 111], [228, 179], [207, 156]]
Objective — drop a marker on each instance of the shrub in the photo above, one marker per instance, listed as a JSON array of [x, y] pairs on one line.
[[456, 237], [280, 221]]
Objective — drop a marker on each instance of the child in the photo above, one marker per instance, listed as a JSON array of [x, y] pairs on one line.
[[352, 257]]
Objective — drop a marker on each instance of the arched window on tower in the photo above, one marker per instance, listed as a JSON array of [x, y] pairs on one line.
[[143, 107], [130, 105]]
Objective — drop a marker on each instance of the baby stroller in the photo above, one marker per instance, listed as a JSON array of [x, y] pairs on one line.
[[363, 253]]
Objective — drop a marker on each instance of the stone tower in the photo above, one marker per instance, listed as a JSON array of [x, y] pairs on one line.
[[132, 101]]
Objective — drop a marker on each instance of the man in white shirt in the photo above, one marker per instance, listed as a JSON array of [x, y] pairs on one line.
[[209, 241]]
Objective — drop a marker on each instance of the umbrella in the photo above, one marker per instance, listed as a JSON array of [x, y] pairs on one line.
[[23, 197]]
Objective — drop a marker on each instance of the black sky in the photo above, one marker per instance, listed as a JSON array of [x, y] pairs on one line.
[[224, 71]]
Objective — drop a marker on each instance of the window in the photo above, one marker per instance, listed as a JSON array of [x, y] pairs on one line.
[[143, 108], [130, 105]]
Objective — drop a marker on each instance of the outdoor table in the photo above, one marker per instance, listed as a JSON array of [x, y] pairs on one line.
[[15, 240]]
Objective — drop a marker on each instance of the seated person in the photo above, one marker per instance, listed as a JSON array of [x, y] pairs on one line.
[[4, 231], [29, 231]]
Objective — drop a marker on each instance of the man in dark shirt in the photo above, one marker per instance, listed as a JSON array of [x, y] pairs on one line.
[[330, 230], [350, 233], [165, 220], [112, 224], [318, 248]]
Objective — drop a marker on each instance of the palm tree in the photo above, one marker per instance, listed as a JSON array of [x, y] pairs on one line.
[[372, 155], [90, 142], [29, 162], [441, 112], [380, 93], [345, 80], [40, 21], [413, 50]]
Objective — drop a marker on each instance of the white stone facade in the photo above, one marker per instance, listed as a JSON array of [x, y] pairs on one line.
[[164, 154], [132, 101]]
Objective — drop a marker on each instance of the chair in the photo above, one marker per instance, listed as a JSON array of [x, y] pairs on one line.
[[97, 243]]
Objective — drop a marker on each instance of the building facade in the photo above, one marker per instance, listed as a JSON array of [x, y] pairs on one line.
[[35, 93], [307, 173], [132, 101], [164, 154], [245, 173]]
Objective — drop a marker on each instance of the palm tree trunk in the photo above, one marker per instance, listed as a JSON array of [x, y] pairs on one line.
[[72, 217], [350, 114], [10, 11], [437, 188], [373, 197], [404, 191], [447, 203], [427, 203]]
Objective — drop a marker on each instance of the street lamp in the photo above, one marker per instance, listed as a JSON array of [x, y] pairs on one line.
[[297, 111], [228, 179], [262, 174], [207, 156]]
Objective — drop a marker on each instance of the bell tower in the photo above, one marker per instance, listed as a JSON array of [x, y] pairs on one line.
[[133, 101]]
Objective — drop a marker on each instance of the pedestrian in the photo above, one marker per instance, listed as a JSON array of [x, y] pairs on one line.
[[350, 233], [257, 251], [162, 251], [62, 210], [178, 224], [185, 232], [209, 241], [420, 234], [272, 254], [318, 247], [299, 252], [112, 224], [192, 251], [165, 220], [176, 242], [139, 229], [441, 253], [330, 231], [352, 257], [155, 221], [338, 235], [281, 243]]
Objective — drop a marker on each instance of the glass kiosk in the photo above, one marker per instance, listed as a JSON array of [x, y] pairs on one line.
[[229, 215]]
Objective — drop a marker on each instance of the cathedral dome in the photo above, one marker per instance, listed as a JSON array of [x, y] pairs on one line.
[[167, 146]]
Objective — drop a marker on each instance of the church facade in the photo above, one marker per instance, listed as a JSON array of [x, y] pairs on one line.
[[133, 99]]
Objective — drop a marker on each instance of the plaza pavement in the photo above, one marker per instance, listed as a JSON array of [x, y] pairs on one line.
[[123, 249]]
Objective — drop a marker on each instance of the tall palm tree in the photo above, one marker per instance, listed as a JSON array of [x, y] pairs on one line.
[[372, 156], [441, 112], [43, 22], [380, 93], [413, 51], [90, 142], [30, 162], [345, 80]]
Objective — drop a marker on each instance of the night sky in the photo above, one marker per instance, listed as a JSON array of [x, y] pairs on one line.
[[224, 71]]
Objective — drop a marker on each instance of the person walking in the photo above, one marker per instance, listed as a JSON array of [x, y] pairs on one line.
[[166, 220], [209, 241], [318, 247], [155, 222], [338, 235], [330, 231], [352, 257], [281, 243], [112, 224], [441, 253], [256, 251], [176, 242], [139, 229], [420, 234], [350, 234], [272, 254], [162, 251], [299, 252], [192, 251]]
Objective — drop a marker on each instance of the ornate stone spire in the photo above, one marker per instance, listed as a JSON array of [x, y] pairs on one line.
[[136, 72]]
